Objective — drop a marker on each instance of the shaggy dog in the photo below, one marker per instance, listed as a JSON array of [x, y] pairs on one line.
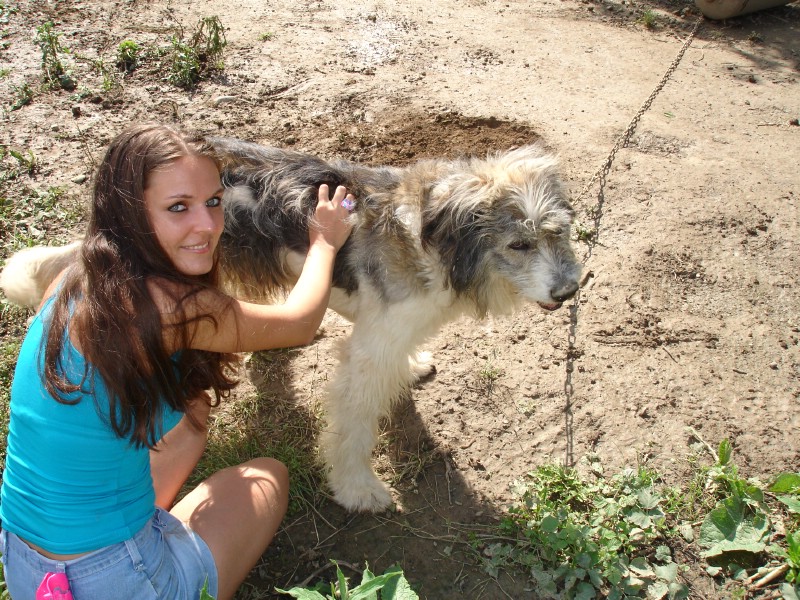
[[431, 242]]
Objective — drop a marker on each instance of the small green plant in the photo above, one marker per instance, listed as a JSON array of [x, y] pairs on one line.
[[649, 19], [488, 376], [23, 95], [267, 36], [110, 79], [209, 42], [392, 585], [202, 54], [584, 233], [27, 163], [755, 37], [128, 55], [186, 66], [55, 73], [739, 523]]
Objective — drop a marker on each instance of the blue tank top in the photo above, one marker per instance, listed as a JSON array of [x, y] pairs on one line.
[[70, 484]]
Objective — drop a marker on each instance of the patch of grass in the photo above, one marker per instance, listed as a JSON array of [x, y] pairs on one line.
[[8, 361], [488, 376], [649, 19], [254, 424], [267, 36], [36, 216]]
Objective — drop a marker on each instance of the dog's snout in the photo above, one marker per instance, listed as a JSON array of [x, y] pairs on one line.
[[564, 292]]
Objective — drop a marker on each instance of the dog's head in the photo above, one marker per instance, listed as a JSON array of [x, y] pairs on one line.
[[501, 226]]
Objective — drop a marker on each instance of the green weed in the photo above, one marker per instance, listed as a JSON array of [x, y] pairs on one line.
[[193, 60], [23, 95], [56, 74], [582, 538], [128, 55], [649, 19], [392, 585]]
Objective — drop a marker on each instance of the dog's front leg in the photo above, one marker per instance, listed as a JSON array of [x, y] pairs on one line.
[[374, 371]]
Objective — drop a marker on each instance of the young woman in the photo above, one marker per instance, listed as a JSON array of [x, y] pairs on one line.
[[114, 384]]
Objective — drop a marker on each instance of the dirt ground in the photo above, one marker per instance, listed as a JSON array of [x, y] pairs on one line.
[[690, 318]]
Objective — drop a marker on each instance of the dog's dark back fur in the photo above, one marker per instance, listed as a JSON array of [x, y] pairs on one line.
[[276, 198], [284, 184]]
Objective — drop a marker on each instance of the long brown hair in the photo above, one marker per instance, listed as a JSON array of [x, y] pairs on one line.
[[120, 332]]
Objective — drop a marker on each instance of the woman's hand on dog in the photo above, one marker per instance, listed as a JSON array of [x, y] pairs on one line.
[[331, 225]]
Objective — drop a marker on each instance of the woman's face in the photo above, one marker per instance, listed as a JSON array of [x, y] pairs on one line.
[[184, 204]]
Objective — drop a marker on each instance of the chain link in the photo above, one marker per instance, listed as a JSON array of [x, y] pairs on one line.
[[597, 211]]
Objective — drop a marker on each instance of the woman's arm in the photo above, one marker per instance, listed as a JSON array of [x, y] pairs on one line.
[[176, 454], [245, 327]]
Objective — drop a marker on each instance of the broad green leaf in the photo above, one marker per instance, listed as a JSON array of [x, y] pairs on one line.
[[786, 483], [678, 591], [657, 590], [724, 452], [641, 567], [585, 591], [790, 592], [667, 572], [369, 589], [640, 519], [302, 594], [791, 502], [397, 588], [647, 499], [733, 526], [549, 524], [663, 554]]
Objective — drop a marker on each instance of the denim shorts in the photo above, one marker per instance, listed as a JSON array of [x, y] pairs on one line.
[[164, 560]]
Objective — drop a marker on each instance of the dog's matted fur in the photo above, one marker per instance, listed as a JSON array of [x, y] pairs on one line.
[[431, 242]]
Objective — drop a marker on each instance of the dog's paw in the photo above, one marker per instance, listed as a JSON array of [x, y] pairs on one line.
[[368, 496], [421, 365]]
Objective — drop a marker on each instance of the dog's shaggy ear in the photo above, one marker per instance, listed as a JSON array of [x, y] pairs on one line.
[[454, 224]]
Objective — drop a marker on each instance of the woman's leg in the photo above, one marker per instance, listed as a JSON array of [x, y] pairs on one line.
[[237, 512]]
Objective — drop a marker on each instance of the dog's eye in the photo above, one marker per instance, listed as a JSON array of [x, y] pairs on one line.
[[520, 245]]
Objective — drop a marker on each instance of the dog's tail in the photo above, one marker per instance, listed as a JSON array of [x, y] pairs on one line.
[[29, 272]]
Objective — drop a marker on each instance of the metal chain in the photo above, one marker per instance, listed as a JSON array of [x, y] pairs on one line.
[[623, 140], [597, 211]]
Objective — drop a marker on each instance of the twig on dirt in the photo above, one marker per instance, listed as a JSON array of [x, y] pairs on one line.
[[447, 469], [693, 432], [315, 574], [769, 577], [670, 355], [85, 148]]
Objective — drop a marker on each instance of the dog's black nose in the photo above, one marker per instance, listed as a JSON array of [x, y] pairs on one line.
[[564, 292]]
